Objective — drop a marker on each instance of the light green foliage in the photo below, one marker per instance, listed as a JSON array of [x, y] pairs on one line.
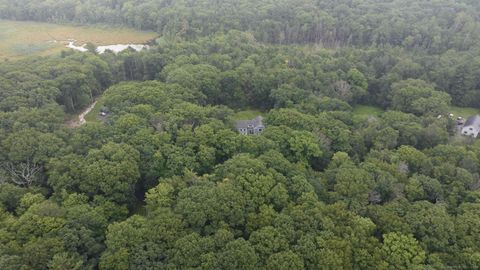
[[386, 138], [358, 82], [52, 235], [160, 196], [431, 224], [287, 95], [28, 200], [418, 97], [285, 261], [304, 146], [353, 186], [65, 260], [466, 226], [266, 241], [402, 252], [110, 171], [422, 187], [239, 254], [203, 78]]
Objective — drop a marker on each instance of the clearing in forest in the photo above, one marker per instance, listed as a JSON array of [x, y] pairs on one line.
[[365, 111], [92, 116], [464, 112], [247, 115], [21, 39]]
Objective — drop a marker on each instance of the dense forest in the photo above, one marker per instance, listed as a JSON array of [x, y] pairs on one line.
[[166, 182], [433, 25]]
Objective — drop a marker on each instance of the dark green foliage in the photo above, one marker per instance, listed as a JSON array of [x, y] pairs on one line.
[[414, 24], [165, 181]]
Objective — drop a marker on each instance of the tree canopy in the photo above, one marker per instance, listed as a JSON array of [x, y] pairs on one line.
[[163, 180]]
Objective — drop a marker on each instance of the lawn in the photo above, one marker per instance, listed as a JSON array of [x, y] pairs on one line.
[[366, 110], [92, 115], [464, 112], [20, 39], [247, 115]]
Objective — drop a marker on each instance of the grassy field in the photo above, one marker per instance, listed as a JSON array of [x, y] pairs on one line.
[[365, 111], [93, 114], [20, 39], [247, 115], [464, 112]]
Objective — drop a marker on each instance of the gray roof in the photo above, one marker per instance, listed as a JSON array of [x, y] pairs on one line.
[[257, 122], [473, 121]]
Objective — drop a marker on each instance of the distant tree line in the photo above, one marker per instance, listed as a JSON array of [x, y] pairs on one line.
[[235, 70], [434, 26]]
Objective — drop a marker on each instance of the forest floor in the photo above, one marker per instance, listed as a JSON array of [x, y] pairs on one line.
[[21, 39]]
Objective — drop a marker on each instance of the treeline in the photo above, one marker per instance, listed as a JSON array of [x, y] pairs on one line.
[[434, 26], [72, 81], [236, 71]]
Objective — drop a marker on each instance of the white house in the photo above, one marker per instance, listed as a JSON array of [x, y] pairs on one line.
[[472, 126], [250, 127]]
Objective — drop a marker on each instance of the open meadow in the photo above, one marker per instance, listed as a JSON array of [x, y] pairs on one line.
[[20, 39]]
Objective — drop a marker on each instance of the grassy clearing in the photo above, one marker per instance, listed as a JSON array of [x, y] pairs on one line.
[[366, 110], [20, 39], [464, 112], [247, 115], [93, 114]]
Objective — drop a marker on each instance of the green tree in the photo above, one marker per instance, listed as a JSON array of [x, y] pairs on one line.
[[238, 254], [111, 171], [418, 97], [285, 261], [402, 252], [267, 241]]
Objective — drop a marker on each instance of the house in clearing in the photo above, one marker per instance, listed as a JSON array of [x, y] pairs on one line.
[[472, 126], [250, 127]]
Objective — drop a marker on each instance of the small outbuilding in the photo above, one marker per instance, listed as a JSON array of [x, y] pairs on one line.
[[250, 127], [472, 126]]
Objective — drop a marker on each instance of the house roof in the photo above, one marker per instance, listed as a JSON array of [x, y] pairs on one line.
[[258, 121], [473, 121]]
